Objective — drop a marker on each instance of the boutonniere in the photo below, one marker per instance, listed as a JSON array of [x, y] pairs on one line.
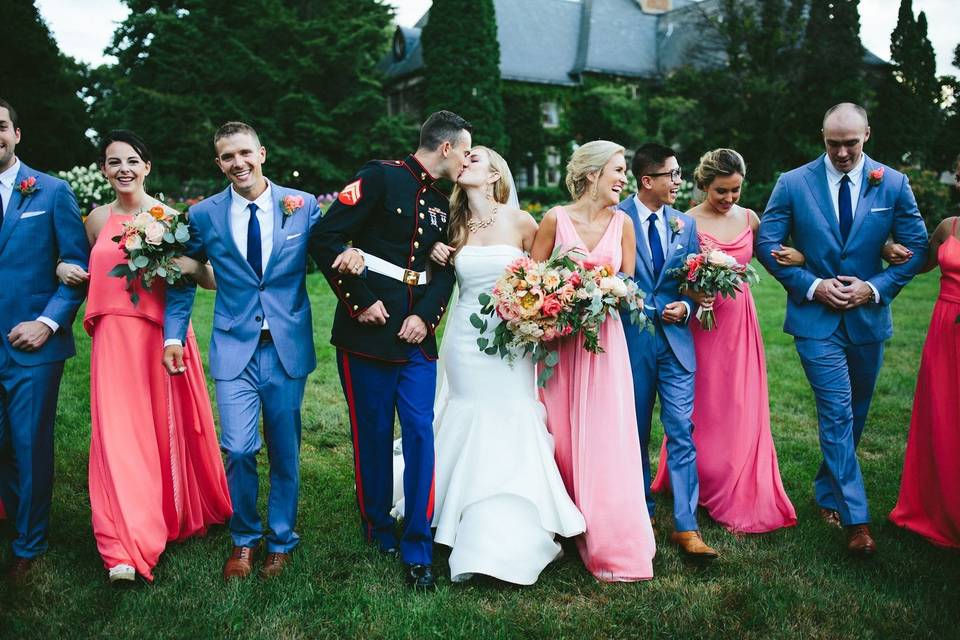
[[876, 177], [28, 186], [676, 225], [290, 205]]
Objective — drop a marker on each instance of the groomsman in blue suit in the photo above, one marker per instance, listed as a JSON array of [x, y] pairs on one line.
[[255, 235], [663, 361], [839, 211], [40, 225]]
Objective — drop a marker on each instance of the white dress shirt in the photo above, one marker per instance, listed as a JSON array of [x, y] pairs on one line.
[[661, 225], [240, 219], [834, 178], [8, 180]]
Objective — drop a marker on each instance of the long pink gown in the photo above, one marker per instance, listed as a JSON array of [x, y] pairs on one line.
[[929, 502], [740, 484], [592, 416], [155, 468]]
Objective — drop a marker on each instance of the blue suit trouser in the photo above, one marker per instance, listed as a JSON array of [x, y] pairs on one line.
[[28, 407], [376, 391], [263, 385], [843, 376], [656, 371]]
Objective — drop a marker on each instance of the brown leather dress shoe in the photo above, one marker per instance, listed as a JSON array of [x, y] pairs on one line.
[[19, 569], [273, 565], [860, 542], [692, 544], [240, 563], [830, 517]]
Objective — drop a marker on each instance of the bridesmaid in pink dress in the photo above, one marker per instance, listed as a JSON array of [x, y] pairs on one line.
[[155, 473], [929, 502], [589, 399], [740, 484]]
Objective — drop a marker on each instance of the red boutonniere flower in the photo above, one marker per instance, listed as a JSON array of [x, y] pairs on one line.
[[876, 177], [28, 186], [290, 205]]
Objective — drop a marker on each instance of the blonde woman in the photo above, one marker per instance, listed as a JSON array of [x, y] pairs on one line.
[[589, 399]]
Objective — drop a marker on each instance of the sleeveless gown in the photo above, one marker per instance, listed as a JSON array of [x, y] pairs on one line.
[[499, 497], [740, 484], [592, 416], [155, 468], [929, 502]]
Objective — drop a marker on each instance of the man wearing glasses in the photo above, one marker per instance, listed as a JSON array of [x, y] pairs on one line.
[[663, 361]]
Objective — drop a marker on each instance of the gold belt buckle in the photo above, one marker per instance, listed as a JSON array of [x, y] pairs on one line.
[[411, 278]]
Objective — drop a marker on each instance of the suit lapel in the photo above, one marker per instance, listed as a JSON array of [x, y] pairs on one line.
[[16, 206], [867, 195], [220, 218], [629, 207], [816, 179], [279, 237]]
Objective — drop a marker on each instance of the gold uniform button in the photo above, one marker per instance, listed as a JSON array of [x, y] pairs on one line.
[[422, 216], [339, 282], [420, 230], [355, 307], [422, 202], [346, 295], [399, 210], [442, 309], [416, 245], [423, 176]]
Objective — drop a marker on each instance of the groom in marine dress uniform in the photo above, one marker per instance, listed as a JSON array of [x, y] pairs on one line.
[[384, 327]]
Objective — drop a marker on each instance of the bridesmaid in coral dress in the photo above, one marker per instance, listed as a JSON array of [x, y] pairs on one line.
[[740, 484], [155, 473], [929, 502], [589, 400]]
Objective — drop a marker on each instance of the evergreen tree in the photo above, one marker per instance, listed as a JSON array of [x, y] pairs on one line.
[[304, 79], [42, 84], [461, 57]]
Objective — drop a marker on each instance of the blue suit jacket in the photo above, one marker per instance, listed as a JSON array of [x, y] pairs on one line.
[[38, 230], [243, 299], [801, 208], [665, 289]]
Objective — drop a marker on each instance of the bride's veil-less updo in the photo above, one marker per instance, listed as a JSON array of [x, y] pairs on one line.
[[589, 158], [504, 192]]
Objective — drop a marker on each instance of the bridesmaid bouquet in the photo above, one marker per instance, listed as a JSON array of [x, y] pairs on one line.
[[150, 241], [539, 302], [713, 272]]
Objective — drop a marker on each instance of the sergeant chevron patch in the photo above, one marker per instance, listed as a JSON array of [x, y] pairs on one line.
[[351, 194]]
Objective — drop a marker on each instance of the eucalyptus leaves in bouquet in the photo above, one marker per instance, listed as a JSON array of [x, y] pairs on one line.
[[151, 241]]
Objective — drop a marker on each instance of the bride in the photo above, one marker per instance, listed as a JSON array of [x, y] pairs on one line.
[[500, 500]]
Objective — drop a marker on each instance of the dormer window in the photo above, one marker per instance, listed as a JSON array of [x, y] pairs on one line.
[[399, 45]]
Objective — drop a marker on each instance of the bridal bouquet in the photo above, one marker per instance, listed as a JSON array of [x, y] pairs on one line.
[[539, 302], [150, 241], [713, 272]]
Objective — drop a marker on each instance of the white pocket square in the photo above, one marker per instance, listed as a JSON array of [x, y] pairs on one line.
[[294, 235], [679, 246], [879, 209], [32, 214]]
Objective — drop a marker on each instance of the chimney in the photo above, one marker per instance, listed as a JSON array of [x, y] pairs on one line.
[[655, 6]]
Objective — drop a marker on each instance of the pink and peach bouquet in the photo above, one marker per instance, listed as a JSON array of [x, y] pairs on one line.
[[537, 303], [713, 272], [150, 241]]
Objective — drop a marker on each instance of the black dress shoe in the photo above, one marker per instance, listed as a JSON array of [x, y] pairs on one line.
[[420, 577]]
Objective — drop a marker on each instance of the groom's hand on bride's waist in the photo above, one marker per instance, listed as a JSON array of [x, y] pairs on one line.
[[375, 314]]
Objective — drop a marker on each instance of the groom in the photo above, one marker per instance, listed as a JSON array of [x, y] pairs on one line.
[[839, 210], [39, 225], [663, 361], [254, 233], [385, 324]]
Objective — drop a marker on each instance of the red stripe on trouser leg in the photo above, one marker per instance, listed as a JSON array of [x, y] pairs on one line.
[[351, 405], [433, 486]]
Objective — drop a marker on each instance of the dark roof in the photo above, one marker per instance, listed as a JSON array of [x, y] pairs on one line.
[[556, 41]]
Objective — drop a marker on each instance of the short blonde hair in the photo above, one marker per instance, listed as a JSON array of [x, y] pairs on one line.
[[716, 163], [590, 158]]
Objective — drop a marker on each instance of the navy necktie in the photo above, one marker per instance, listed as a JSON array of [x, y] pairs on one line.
[[254, 252], [656, 247], [845, 207], [1, 210]]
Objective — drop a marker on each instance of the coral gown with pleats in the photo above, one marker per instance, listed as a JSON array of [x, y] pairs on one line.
[[929, 502], [155, 468], [740, 484]]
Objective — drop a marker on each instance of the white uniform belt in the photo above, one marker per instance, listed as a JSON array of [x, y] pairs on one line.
[[385, 268]]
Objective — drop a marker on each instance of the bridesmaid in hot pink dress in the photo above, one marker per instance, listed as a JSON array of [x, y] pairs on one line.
[[155, 473], [929, 502], [589, 400], [740, 484]]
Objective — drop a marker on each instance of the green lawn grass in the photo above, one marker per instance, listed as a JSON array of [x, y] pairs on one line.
[[796, 582]]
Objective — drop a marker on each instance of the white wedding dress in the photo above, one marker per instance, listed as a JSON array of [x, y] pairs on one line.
[[499, 498]]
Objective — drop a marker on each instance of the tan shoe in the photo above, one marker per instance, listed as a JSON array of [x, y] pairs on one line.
[[831, 517], [273, 564], [692, 544], [240, 563], [860, 542]]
